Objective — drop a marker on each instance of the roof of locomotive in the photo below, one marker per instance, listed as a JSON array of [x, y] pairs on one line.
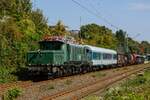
[[77, 45], [98, 49], [66, 40]]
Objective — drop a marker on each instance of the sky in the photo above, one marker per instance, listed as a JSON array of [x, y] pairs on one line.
[[133, 16]]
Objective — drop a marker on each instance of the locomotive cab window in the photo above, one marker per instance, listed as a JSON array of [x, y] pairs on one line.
[[51, 45]]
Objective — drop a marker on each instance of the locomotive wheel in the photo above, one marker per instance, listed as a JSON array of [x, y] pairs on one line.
[[88, 68], [69, 71], [50, 76], [60, 73], [77, 70]]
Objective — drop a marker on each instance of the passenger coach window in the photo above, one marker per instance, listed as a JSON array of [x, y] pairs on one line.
[[104, 56], [107, 56], [115, 57], [99, 55], [96, 56]]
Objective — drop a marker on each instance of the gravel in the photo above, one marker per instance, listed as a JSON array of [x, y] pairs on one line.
[[37, 91]]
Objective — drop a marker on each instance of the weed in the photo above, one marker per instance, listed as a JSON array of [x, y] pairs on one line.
[[6, 75], [68, 82], [46, 87], [92, 98], [137, 88], [12, 94], [98, 74], [139, 80], [51, 87]]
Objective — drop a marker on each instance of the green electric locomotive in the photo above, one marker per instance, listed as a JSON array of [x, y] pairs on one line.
[[56, 57]]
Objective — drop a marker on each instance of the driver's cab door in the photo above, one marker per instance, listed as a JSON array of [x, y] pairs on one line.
[[89, 54]]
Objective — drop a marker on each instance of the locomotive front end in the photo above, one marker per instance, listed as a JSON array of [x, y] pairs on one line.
[[39, 58], [50, 55]]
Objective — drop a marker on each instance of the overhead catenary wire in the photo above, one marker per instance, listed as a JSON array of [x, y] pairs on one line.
[[98, 14], [34, 4]]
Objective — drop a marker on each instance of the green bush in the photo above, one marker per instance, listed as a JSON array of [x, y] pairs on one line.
[[137, 88], [139, 80], [12, 94], [6, 75]]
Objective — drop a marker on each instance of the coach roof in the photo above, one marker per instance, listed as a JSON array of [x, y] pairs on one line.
[[98, 49]]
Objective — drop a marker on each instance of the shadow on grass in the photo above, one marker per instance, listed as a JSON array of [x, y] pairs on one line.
[[23, 74]]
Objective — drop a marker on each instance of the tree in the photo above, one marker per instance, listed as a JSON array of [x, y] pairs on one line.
[[122, 43], [121, 36], [59, 29], [20, 29], [145, 45], [40, 22], [97, 35], [15, 8], [133, 46]]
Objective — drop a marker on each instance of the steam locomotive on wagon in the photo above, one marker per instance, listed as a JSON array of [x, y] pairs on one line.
[[60, 57]]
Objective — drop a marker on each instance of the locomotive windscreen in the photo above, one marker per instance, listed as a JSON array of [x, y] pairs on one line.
[[50, 45]]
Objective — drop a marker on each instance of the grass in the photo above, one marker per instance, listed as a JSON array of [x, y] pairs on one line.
[[137, 88], [93, 97], [98, 74], [51, 87], [47, 87], [68, 82], [12, 94], [6, 75]]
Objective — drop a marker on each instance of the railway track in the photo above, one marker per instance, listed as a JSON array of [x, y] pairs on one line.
[[26, 84], [70, 91], [4, 87], [79, 92]]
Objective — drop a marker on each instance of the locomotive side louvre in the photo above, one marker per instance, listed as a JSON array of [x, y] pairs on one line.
[[76, 53]]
